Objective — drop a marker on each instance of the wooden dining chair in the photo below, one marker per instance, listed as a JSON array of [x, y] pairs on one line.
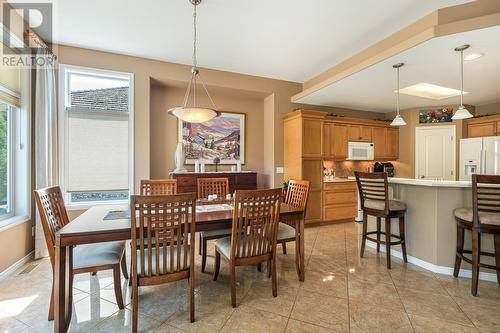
[[162, 220], [253, 235], [206, 187], [158, 186], [296, 196], [87, 258]]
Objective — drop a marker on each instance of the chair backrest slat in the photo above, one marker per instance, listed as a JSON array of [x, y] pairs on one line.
[[53, 215], [485, 196], [210, 186], [373, 186], [158, 186], [255, 222], [166, 226]]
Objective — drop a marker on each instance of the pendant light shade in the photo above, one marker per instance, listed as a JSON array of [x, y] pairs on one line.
[[195, 114], [398, 120], [462, 112]]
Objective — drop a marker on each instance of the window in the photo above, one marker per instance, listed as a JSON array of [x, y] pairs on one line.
[[96, 135], [6, 159]]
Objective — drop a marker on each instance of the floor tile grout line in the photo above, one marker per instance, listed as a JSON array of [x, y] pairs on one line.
[[347, 284], [463, 311], [401, 300]]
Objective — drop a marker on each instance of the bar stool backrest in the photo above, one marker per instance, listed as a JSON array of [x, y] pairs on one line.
[[485, 196], [373, 186]]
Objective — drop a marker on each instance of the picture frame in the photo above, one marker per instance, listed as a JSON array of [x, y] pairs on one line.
[[222, 137]]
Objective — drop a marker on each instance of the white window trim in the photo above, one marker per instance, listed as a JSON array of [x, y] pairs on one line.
[[21, 156], [63, 84]]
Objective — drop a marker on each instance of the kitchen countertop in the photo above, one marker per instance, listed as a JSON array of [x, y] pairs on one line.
[[410, 181]]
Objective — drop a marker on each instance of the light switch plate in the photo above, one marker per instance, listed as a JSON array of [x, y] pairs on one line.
[[280, 170]]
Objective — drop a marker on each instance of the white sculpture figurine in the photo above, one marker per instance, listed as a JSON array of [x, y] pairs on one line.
[[179, 158]]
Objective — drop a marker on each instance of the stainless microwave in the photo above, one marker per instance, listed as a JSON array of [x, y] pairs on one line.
[[360, 151]]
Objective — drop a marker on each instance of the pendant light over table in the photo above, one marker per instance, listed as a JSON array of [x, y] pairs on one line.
[[462, 112], [398, 120], [195, 114]]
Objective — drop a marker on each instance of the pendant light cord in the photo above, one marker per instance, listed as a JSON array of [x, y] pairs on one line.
[[195, 62], [462, 77], [397, 95]]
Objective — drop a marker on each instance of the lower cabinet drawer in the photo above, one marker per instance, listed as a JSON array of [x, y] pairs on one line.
[[339, 212], [331, 198]]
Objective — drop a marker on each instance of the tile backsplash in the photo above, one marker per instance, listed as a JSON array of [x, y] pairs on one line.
[[347, 168]]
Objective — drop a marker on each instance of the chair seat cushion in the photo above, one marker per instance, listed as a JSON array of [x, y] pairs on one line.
[[285, 232], [160, 257], [465, 214], [224, 246], [216, 233], [98, 254], [380, 205]]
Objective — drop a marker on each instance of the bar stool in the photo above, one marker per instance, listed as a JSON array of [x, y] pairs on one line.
[[374, 196], [484, 217]]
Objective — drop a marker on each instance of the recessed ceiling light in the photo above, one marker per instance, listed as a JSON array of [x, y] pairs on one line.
[[473, 56], [432, 91]]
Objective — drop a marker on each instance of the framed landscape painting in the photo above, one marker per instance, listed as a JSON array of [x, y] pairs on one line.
[[222, 137]]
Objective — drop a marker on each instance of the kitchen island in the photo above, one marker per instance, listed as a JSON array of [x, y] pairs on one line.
[[430, 223]]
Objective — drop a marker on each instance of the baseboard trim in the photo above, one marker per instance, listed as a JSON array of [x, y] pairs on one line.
[[12, 268], [466, 273]]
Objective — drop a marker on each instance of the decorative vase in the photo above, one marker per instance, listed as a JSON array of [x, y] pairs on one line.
[[179, 158]]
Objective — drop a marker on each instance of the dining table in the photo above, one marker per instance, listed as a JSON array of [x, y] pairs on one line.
[[104, 223]]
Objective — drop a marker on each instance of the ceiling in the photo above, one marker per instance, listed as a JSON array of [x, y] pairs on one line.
[[292, 40], [435, 62]]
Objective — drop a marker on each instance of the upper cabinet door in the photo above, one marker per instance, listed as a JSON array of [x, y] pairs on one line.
[[312, 133], [365, 133], [482, 129], [379, 139], [392, 143], [339, 141], [327, 140], [354, 133]]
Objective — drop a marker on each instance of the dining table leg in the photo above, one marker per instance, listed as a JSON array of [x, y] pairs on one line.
[[63, 285]]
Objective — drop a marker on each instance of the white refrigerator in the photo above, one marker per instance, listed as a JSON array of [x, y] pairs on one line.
[[479, 156]]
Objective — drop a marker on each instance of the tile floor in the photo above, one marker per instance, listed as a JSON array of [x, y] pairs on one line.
[[341, 293]]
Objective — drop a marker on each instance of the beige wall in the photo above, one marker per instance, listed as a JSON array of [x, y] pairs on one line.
[[164, 132], [15, 243], [405, 166], [488, 109]]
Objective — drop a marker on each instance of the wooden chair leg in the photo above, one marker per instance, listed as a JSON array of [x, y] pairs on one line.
[[135, 303], [283, 245], [274, 279], [259, 267], [269, 268], [199, 247], [216, 265], [379, 220], [124, 266], [51, 305], [476, 248], [403, 237], [232, 279], [388, 241], [460, 250], [117, 283], [191, 294], [497, 256], [363, 239], [203, 254]]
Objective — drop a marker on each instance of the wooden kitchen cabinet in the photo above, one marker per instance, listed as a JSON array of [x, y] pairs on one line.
[[359, 133], [482, 126], [339, 139], [379, 139], [339, 201], [392, 143]]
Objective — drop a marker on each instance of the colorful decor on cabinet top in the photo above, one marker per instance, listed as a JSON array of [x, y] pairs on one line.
[[440, 115]]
